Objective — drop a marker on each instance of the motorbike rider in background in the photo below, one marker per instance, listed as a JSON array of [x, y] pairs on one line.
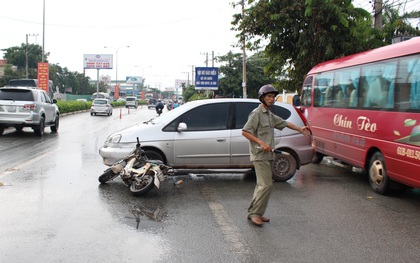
[[159, 107]]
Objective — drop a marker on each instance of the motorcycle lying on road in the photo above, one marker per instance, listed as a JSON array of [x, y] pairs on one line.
[[137, 172]]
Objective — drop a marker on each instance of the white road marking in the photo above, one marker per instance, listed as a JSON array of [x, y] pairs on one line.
[[29, 162], [229, 229]]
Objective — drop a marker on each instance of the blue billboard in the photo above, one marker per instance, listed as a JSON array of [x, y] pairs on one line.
[[206, 78]]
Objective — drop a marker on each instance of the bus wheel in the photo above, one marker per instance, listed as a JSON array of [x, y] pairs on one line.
[[317, 157], [378, 177], [284, 167]]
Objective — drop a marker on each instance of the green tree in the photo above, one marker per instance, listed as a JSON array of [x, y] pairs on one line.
[[395, 24], [230, 85], [298, 34], [61, 77]]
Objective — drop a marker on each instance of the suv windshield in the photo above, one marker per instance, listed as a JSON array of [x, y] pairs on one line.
[[19, 95], [131, 99], [100, 102]]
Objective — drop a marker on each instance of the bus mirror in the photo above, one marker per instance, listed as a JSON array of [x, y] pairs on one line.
[[296, 100]]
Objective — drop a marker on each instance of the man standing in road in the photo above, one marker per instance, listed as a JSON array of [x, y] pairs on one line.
[[259, 130]]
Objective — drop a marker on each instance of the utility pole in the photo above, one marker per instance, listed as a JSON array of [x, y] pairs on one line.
[[243, 56], [377, 8], [192, 75], [43, 31], [27, 54]]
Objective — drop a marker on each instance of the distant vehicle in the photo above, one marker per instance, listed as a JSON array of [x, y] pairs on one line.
[[101, 106], [101, 95], [28, 107], [82, 100], [31, 83], [189, 137], [131, 102], [151, 103], [364, 110]]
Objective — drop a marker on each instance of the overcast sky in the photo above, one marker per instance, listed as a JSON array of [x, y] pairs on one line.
[[166, 37]]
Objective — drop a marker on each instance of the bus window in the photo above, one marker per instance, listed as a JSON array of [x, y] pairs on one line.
[[389, 73], [375, 87], [322, 89], [347, 82], [414, 71], [405, 85]]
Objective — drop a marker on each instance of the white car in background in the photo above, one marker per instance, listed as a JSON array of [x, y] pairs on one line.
[[101, 106], [131, 102]]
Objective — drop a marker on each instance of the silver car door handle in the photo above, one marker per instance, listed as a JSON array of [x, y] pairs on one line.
[[221, 140]]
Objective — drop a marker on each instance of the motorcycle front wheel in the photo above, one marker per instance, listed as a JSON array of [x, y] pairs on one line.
[[107, 176], [142, 186]]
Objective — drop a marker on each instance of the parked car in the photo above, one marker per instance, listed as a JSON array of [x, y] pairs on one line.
[[189, 137], [101, 106], [131, 102], [27, 107]]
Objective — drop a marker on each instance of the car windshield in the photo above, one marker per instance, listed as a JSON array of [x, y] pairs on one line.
[[17, 95], [100, 102], [170, 115], [131, 99]]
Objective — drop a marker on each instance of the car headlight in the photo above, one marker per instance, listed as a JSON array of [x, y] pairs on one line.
[[114, 138]]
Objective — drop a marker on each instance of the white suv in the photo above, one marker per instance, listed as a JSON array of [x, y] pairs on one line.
[[131, 102], [27, 107]]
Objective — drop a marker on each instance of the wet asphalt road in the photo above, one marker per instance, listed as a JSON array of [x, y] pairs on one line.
[[53, 209]]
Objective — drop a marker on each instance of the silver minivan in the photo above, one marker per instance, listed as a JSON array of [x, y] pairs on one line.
[[207, 134], [131, 102]]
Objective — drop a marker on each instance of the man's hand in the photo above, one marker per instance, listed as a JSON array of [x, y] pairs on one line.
[[305, 131]]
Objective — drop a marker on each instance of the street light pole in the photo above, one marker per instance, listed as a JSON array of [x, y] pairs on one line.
[[116, 61], [27, 53]]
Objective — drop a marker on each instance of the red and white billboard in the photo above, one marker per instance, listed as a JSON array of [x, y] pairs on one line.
[[43, 76], [97, 61]]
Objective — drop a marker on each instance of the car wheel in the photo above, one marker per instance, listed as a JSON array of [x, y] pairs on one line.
[[1, 130], [317, 158], [153, 155], [284, 167], [378, 177], [39, 130], [56, 124], [91, 114]]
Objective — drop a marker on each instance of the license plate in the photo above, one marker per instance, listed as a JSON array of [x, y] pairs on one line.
[[11, 108]]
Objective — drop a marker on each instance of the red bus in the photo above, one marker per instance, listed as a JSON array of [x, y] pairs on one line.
[[364, 109]]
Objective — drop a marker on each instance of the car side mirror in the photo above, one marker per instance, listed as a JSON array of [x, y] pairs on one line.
[[182, 126], [296, 100], [54, 101]]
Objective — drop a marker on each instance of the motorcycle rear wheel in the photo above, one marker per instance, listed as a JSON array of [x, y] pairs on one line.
[[107, 176], [142, 186]]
